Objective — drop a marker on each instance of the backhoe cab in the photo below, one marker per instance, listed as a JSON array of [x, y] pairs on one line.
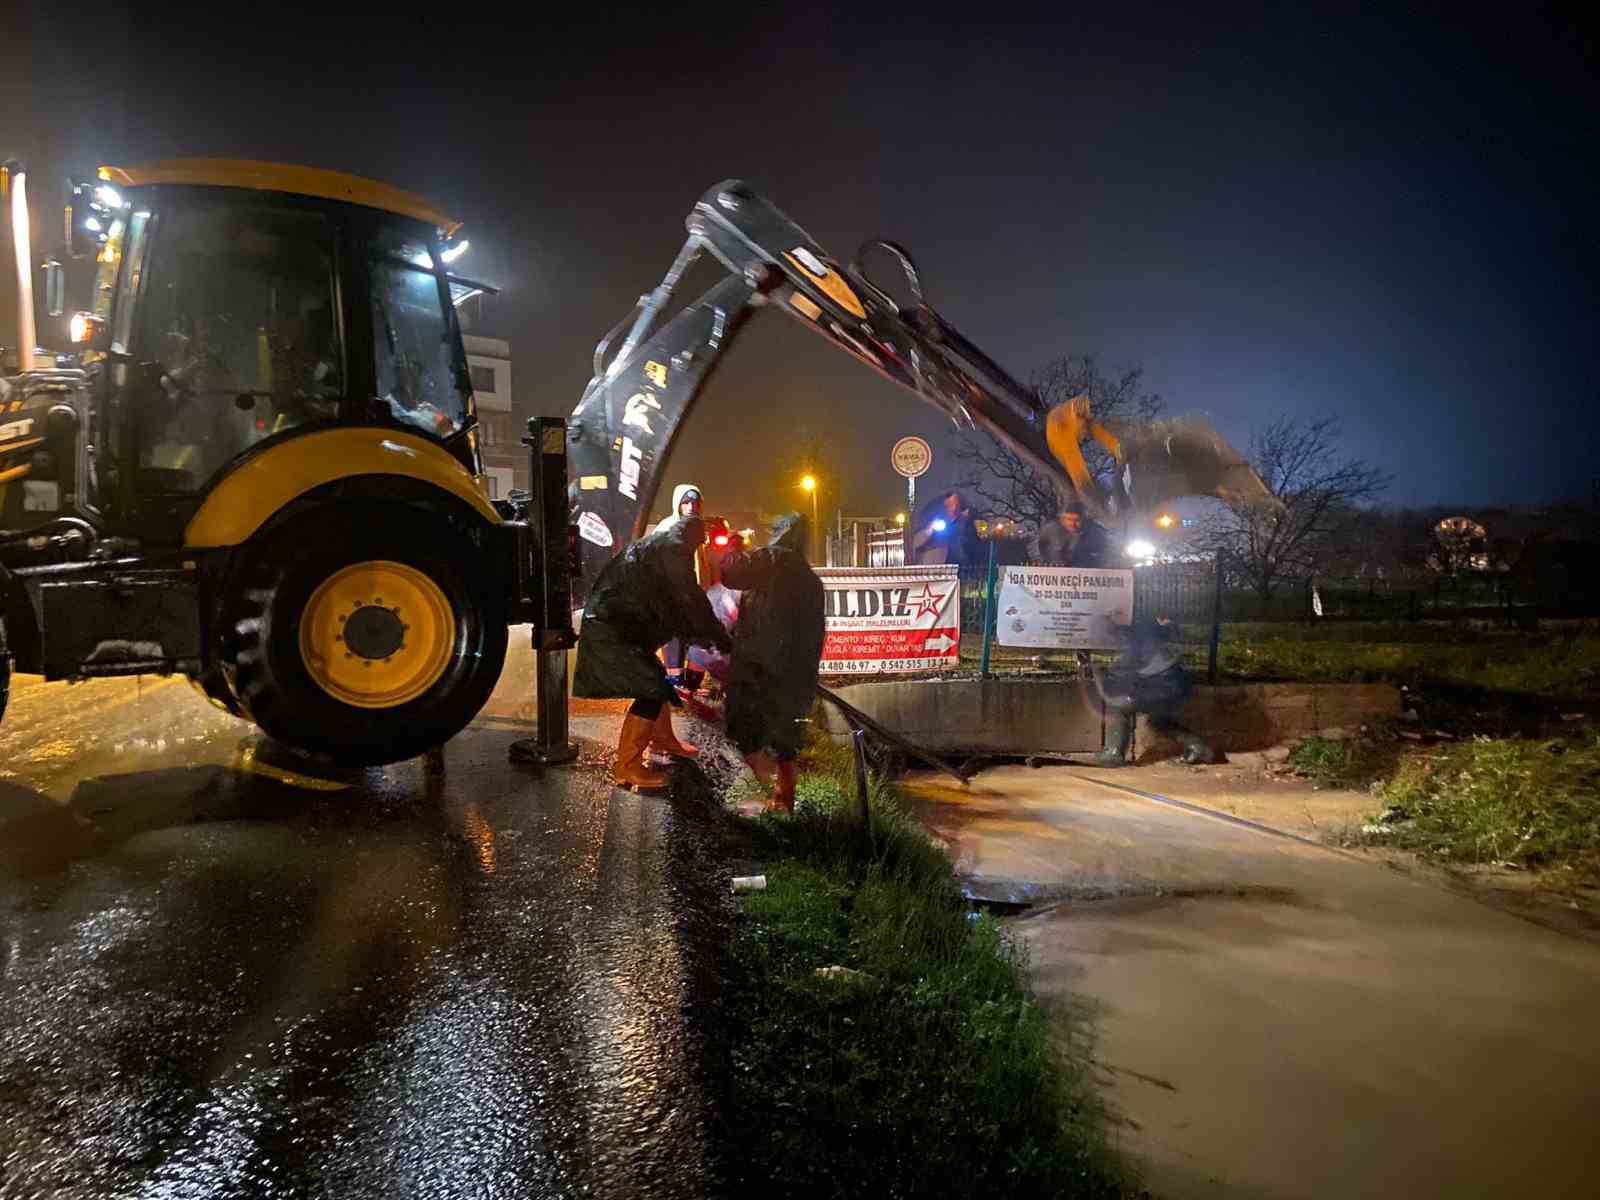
[[266, 474]]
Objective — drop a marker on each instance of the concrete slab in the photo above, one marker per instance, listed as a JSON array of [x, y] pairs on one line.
[[983, 716], [1277, 1020], [1061, 715]]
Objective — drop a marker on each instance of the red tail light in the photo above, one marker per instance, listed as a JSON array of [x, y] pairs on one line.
[[574, 553]]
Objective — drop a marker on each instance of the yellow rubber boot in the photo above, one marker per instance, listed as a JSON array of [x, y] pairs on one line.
[[664, 741], [630, 771]]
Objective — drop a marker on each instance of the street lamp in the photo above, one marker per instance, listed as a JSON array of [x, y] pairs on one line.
[[808, 483], [899, 518]]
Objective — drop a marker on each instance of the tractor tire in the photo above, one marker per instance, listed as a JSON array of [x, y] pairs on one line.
[[212, 683], [366, 636]]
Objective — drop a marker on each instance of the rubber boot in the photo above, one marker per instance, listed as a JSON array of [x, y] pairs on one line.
[[664, 741], [1197, 751], [1119, 736], [630, 771], [763, 765], [783, 793]]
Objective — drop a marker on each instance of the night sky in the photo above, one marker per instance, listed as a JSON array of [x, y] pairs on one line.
[[1386, 218]]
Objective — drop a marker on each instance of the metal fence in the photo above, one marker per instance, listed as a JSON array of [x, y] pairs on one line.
[[1185, 593], [1204, 598], [864, 547]]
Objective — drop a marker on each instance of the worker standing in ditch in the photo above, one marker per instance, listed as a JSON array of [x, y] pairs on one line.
[[777, 646], [1148, 678], [644, 596]]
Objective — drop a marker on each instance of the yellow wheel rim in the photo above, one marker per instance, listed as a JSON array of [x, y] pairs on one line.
[[377, 634]]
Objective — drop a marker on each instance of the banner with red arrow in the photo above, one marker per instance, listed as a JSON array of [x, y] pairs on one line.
[[891, 620]]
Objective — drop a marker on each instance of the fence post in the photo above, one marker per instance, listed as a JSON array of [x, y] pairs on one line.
[[1216, 624], [988, 613], [858, 742]]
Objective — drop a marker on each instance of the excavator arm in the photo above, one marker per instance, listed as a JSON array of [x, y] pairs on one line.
[[623, 428]]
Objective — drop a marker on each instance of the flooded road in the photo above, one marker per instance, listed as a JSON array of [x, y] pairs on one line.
[[220, 979], [1276, 1020]]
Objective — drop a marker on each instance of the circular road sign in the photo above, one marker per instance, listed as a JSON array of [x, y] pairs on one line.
[[911, 457]]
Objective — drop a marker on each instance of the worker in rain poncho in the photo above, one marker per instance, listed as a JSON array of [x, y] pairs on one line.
[[644, 596], [688, 501], [777, 645]]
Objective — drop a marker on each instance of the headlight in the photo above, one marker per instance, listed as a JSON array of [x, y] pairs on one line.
[[1140, 549]]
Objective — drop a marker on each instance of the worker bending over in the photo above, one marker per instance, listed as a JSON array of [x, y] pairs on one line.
[[644, 596]]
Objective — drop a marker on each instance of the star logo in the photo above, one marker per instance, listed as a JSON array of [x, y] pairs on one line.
[[928, 604]]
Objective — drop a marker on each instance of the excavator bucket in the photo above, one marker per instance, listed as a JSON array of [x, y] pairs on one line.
[[1156, 462]]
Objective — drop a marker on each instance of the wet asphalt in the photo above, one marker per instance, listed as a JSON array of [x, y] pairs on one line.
[[221, 979]]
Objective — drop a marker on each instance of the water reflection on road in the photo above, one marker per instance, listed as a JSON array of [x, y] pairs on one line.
[[217, 977]]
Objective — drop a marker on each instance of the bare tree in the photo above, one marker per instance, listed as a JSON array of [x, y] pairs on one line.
[[1322, 495], [1011, 488], [1457, 545]]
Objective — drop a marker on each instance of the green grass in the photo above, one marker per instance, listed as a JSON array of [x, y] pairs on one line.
[[1530, 803], [1521, 802], [1556, 663], [934, 1073], [1355, 763]]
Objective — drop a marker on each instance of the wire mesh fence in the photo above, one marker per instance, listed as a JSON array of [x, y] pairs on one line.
[[1211, 605]]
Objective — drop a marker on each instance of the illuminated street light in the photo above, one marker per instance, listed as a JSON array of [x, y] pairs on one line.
[[1166, 520], [809, 484], [899, 518]]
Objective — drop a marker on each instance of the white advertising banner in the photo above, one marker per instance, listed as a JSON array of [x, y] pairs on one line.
[[1062, 608], [889, 620]]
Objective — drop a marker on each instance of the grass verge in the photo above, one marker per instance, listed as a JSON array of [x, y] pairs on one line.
[[1527, 803], [1557, 662], [925, 1068], [1354, 763], [1508, 802]]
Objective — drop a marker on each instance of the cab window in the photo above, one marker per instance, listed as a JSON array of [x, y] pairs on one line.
[[239, 310], [106, 274], [420, 373]]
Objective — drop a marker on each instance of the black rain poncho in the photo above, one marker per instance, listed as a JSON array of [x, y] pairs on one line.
[[1147, 676], [777, 644], [645, 596]]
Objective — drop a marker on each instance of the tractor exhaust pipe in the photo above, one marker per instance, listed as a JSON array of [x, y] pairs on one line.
[[21, 238]]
